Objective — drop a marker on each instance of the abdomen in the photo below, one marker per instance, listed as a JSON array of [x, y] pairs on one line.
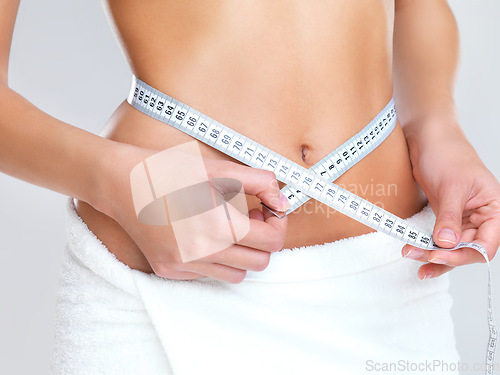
[[299, 78]]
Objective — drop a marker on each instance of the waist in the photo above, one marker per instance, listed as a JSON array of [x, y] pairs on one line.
[[383, 177]]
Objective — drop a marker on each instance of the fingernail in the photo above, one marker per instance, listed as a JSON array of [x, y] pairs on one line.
[[437, 261], [447, 235], [414, 254], [284, 202], [428, 275]]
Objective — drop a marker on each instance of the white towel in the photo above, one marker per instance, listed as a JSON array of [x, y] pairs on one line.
[[346, 307]]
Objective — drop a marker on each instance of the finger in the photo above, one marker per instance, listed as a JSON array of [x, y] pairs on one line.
[[448, 228], [462, 256], [258, 182], [169, 273], [267, 232], [453, 258], [256, 214], [268, 235], [429, 270], [468, 225], [241, 257], [488, 235], [415, 253], [267, 215], [219, 272]]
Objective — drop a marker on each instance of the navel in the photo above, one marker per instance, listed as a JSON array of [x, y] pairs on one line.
[[305, 154]]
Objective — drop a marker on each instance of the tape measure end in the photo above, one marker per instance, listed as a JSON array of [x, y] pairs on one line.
[[280, 214]]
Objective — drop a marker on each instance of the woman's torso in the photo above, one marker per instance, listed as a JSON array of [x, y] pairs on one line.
[[278, 72]]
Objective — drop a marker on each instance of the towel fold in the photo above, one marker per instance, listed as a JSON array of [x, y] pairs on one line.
[[346, 307]]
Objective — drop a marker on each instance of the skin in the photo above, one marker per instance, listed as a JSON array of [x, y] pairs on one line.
[[299, 79]]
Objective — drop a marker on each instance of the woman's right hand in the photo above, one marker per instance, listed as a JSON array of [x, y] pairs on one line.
[[158, 243]]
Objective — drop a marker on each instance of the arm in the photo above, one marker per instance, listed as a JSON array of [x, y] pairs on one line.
[[426, 52], [40, 149], [464, 195]]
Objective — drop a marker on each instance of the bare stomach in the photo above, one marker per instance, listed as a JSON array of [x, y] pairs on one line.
[[298, 77], [384, 177]]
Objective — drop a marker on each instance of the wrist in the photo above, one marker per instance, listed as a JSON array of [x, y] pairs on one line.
[[112, 193], [435, 134], [432, 118]]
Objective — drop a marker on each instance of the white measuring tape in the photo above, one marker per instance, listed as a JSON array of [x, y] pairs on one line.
[[302, 183]]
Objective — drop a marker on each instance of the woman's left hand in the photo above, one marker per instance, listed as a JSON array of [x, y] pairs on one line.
[[464, 195]]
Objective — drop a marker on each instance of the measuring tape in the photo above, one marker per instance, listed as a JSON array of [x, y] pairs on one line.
[[336, 163], [302, 183]]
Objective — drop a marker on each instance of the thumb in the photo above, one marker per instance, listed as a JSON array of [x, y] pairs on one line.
[[256, 182], [448, 228]]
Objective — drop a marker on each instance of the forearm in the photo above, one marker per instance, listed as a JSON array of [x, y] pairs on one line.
[[426, 50], [44, 151]]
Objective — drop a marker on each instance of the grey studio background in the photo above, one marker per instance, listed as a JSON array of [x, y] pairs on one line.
[[62, 50]]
